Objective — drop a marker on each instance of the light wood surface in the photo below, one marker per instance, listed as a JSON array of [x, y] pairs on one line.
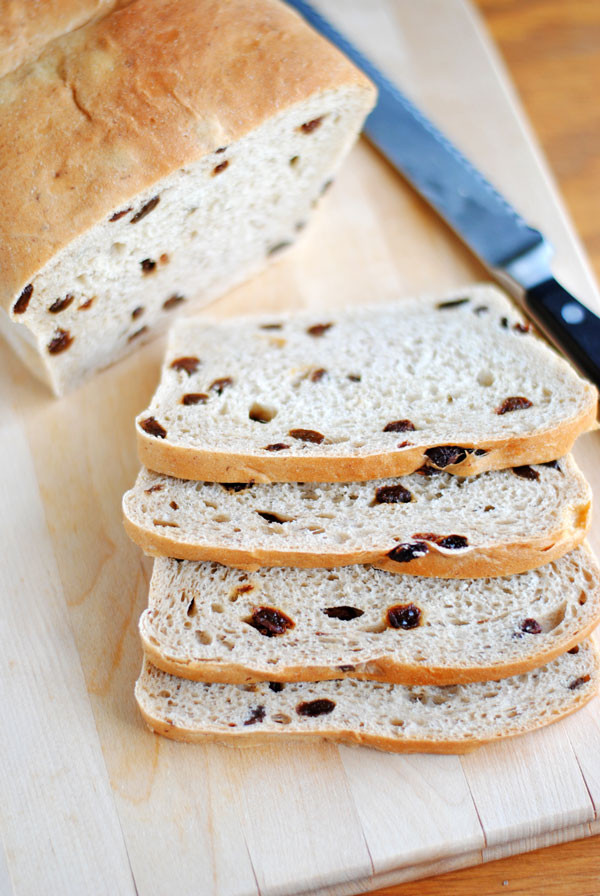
[[90, 801]]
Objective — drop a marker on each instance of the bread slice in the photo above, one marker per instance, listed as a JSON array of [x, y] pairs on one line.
[[211, 623], [156, 156], [494, 524], [452, 719], [456, 382]]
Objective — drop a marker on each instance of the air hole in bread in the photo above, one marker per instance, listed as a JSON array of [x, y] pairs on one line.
[[192, 609], [281, 718], [118, 249], [270, 517], [204, 637], [294, 161], [260, 413]]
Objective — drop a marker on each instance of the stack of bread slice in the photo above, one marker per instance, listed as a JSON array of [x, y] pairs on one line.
[[367, 528]]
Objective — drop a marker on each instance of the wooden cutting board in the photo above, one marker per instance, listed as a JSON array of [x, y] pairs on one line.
[[90, 802]]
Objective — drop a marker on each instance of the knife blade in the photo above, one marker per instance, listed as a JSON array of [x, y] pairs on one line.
[[516, 254]]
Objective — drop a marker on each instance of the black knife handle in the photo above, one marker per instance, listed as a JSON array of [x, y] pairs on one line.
[[569, 324]]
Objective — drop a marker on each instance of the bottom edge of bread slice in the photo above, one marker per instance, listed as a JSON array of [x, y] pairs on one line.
[[389, 717], [207, 622]]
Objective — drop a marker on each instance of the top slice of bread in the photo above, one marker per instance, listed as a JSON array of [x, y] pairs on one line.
[[456, 382]]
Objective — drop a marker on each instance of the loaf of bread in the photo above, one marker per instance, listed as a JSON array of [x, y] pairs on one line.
[[158, 155], [497, 523], [452, 719], [26, 26], [211, 623], [455, 382]]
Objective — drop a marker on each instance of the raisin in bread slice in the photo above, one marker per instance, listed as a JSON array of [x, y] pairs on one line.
[[211, 623], [456, 382], [393, 717], [159, 155], [494, 524]]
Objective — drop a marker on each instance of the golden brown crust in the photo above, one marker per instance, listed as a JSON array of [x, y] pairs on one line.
[[384, 668], [26, 27], [107, 111], [513, 451], [361, 737], [471, 563]]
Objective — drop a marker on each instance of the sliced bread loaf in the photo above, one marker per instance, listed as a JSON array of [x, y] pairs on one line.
[[157, 155], [497, 523], [211, 623], [456, 382], [452, 719]]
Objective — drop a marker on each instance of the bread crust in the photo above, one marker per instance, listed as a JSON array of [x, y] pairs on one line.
[[107, 111], [470, 563], [252, 737], [513, 451]]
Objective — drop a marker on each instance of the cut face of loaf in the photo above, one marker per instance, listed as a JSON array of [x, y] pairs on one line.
[[497, 523], [455, 382], [184, 145], [391, 717], [211, 623]]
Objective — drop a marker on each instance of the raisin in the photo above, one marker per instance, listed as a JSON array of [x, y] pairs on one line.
[[61, 304], [307, 435], [526, 472], [154, 488], [220, 149], [276, 446], [194, 398], [164, 258], [344, 613], [404, 616], [61, 341], [148, 265], [399, 426], [315, 707], [145, 210], [392, 494], [521, 328], [220, 167], [574, 650], [153, 427], [220, 385], [403, 444], [577, 682], [553, 464], [278, 247], [309, 126], [531, 627], [87, 304], [271, 326], [174, 505], [173, 302], [318, 329], [137, 333], [257, 715], [20, 306], [318, 374], [404, 553], [445, 455], [514, 403], [453, 542], [188, 363], [270, 622], [276, 686], [136, 312], [118, 215], [354, 377], [504, 322], [452, 303]]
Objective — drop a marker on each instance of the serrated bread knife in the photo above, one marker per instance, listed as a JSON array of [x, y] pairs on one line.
[[516, 254]]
